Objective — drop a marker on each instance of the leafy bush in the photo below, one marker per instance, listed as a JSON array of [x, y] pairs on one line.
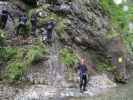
[[117, 15], [68, 57], [102, 66], [119, 21], [15, 70], [34, 54], [9, 53], [22, 58]]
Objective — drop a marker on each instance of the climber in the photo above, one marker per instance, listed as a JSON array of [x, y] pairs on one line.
[[83, 74], [65, 8], [4, 17], [49, 30], [33, 24], [22, 24]]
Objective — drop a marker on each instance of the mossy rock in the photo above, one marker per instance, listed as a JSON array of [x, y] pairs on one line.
[[32, 3], [120, 77], [15, 70], [19, 59], [68, 57], [2, 38]]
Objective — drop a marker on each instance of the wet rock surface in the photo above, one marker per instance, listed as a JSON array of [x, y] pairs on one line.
[[96, 85]]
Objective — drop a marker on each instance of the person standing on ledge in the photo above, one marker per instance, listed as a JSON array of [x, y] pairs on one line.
[[83, 74]]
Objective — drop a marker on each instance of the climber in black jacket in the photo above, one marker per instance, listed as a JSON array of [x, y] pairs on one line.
[[22, 25], [4, 17], [33, 24]]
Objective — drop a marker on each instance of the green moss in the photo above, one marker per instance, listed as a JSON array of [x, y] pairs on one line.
[[42, 20], [35, 54], [119, 21], [102, 67], [68, 57], [15, 70], [10, 53], [110, 35], [116, 13], [19, 59], [101, 63]]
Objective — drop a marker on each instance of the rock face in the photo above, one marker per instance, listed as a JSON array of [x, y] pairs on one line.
[[31, 2], [118, 55], [85, 32], [86, 28], [101, 81], [88, 25]]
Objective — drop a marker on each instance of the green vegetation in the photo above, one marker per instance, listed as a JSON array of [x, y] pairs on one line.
[[119, 21], [102, 64], [9, 53], [35, 54], [48, 16], [15, 70], [22, 58], [102, 67], [117, 15], [68, 57]]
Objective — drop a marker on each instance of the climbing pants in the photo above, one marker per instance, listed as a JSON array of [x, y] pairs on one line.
[[83, 82], [3, 22], [21, 30]]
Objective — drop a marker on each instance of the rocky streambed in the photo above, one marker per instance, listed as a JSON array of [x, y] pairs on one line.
[[97, 85]]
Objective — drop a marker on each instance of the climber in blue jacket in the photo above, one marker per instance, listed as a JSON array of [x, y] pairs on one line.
[[83, 74]]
